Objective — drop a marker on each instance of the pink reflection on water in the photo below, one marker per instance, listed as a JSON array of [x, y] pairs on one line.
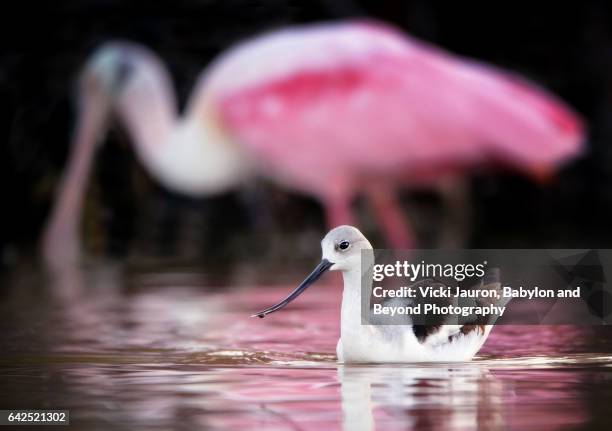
[[179, 353]]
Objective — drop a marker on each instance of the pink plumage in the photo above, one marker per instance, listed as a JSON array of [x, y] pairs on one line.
[[332, 110], [395, 107]]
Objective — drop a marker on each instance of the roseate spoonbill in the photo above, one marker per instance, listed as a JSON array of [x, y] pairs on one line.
[[342, 251], [330, 109]]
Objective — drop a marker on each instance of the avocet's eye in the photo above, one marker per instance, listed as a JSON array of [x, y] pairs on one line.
[[343, 245]]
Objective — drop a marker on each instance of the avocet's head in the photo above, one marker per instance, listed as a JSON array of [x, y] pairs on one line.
[[341, 248]]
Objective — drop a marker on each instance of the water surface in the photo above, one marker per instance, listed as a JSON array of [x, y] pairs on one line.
[[176, 349]]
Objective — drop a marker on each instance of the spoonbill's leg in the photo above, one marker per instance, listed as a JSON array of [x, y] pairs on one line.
[[338, 211], [456, 200], [388, 212]]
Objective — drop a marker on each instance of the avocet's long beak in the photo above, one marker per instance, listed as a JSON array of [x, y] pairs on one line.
[[314, 276]]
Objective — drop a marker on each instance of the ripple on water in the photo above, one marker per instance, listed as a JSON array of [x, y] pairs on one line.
[[157, 351]]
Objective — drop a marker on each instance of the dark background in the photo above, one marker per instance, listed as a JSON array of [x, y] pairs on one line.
[[567, 49]]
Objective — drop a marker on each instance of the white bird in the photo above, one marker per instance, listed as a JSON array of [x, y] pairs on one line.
[[342, 251]]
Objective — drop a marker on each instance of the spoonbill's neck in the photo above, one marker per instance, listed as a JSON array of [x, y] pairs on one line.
[[149, 112], [190, 154]]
